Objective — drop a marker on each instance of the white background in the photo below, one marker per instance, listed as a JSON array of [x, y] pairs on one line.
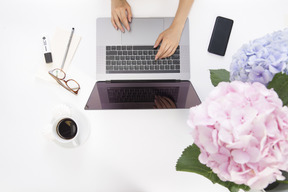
[[129, 151]]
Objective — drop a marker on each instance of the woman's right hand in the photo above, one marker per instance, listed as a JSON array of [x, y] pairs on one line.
[[162, 102], [121, 14]]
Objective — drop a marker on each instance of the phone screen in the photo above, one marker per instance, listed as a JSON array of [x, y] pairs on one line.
[[220, 36]]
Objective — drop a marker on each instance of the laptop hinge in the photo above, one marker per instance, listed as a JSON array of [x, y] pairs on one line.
[[145, 81]]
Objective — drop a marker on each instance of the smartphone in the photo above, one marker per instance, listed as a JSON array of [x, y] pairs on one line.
[[220, 36]]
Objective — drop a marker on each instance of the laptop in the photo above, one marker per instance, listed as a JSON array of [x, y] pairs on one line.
[[128, 77]]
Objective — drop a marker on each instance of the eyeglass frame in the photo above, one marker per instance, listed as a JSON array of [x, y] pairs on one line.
[[59, 80]]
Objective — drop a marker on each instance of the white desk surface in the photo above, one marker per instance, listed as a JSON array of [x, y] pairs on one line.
[[127, 151]]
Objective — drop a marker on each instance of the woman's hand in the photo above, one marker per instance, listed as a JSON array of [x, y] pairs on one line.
[[170, 39], [120, 14], [162, 102]]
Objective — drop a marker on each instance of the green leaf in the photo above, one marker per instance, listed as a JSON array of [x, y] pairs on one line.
[[189, 162], [285, 174], [280, 84], [285, 182], [219, 75]]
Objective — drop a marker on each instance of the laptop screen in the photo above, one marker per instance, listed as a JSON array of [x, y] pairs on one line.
[[142, 95]]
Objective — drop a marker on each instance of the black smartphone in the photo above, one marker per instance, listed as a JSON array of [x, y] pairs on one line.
[[220, 36]]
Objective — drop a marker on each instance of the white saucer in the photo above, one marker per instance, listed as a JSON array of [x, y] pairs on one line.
[[81, 120]]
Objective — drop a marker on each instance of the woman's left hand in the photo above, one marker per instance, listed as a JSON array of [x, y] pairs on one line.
[[169, 40]]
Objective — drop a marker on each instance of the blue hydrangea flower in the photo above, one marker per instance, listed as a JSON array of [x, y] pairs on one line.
[[261, 59]]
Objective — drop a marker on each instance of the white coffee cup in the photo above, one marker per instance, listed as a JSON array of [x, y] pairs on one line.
[[57, 114], [60, 113], [65, 130]]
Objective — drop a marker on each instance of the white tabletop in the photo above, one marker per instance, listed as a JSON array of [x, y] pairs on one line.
[[129, 151]]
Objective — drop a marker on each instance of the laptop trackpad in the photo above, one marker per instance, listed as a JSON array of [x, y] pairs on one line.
[[143, 31]]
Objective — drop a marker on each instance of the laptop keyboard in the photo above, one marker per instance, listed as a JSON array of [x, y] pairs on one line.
[[139, 59], [140, 94]]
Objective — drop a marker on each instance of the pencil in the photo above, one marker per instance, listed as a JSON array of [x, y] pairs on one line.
[[67, 48]]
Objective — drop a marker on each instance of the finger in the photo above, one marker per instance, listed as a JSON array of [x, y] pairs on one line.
[[167, 53], [170, 52], [163, 102], [171, 103], [161, 51], [117, 21], [158, 40], [124, 20], [129, 14], [173, 51], [113, 23], [157, 102]]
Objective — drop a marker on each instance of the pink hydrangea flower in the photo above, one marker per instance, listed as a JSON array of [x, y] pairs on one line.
[[242, 132]]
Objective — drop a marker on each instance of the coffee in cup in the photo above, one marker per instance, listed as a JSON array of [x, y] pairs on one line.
[[66, 128]]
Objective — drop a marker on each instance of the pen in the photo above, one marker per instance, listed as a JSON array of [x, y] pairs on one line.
[[67, 48], [47, 52]]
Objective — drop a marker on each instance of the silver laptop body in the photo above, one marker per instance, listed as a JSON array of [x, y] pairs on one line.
[[144, 31]]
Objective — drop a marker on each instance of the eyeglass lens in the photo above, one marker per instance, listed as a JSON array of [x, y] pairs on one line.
[[72, 84], [58, 73]]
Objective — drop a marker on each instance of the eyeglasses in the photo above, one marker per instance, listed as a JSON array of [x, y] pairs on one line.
[[70, 84]]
